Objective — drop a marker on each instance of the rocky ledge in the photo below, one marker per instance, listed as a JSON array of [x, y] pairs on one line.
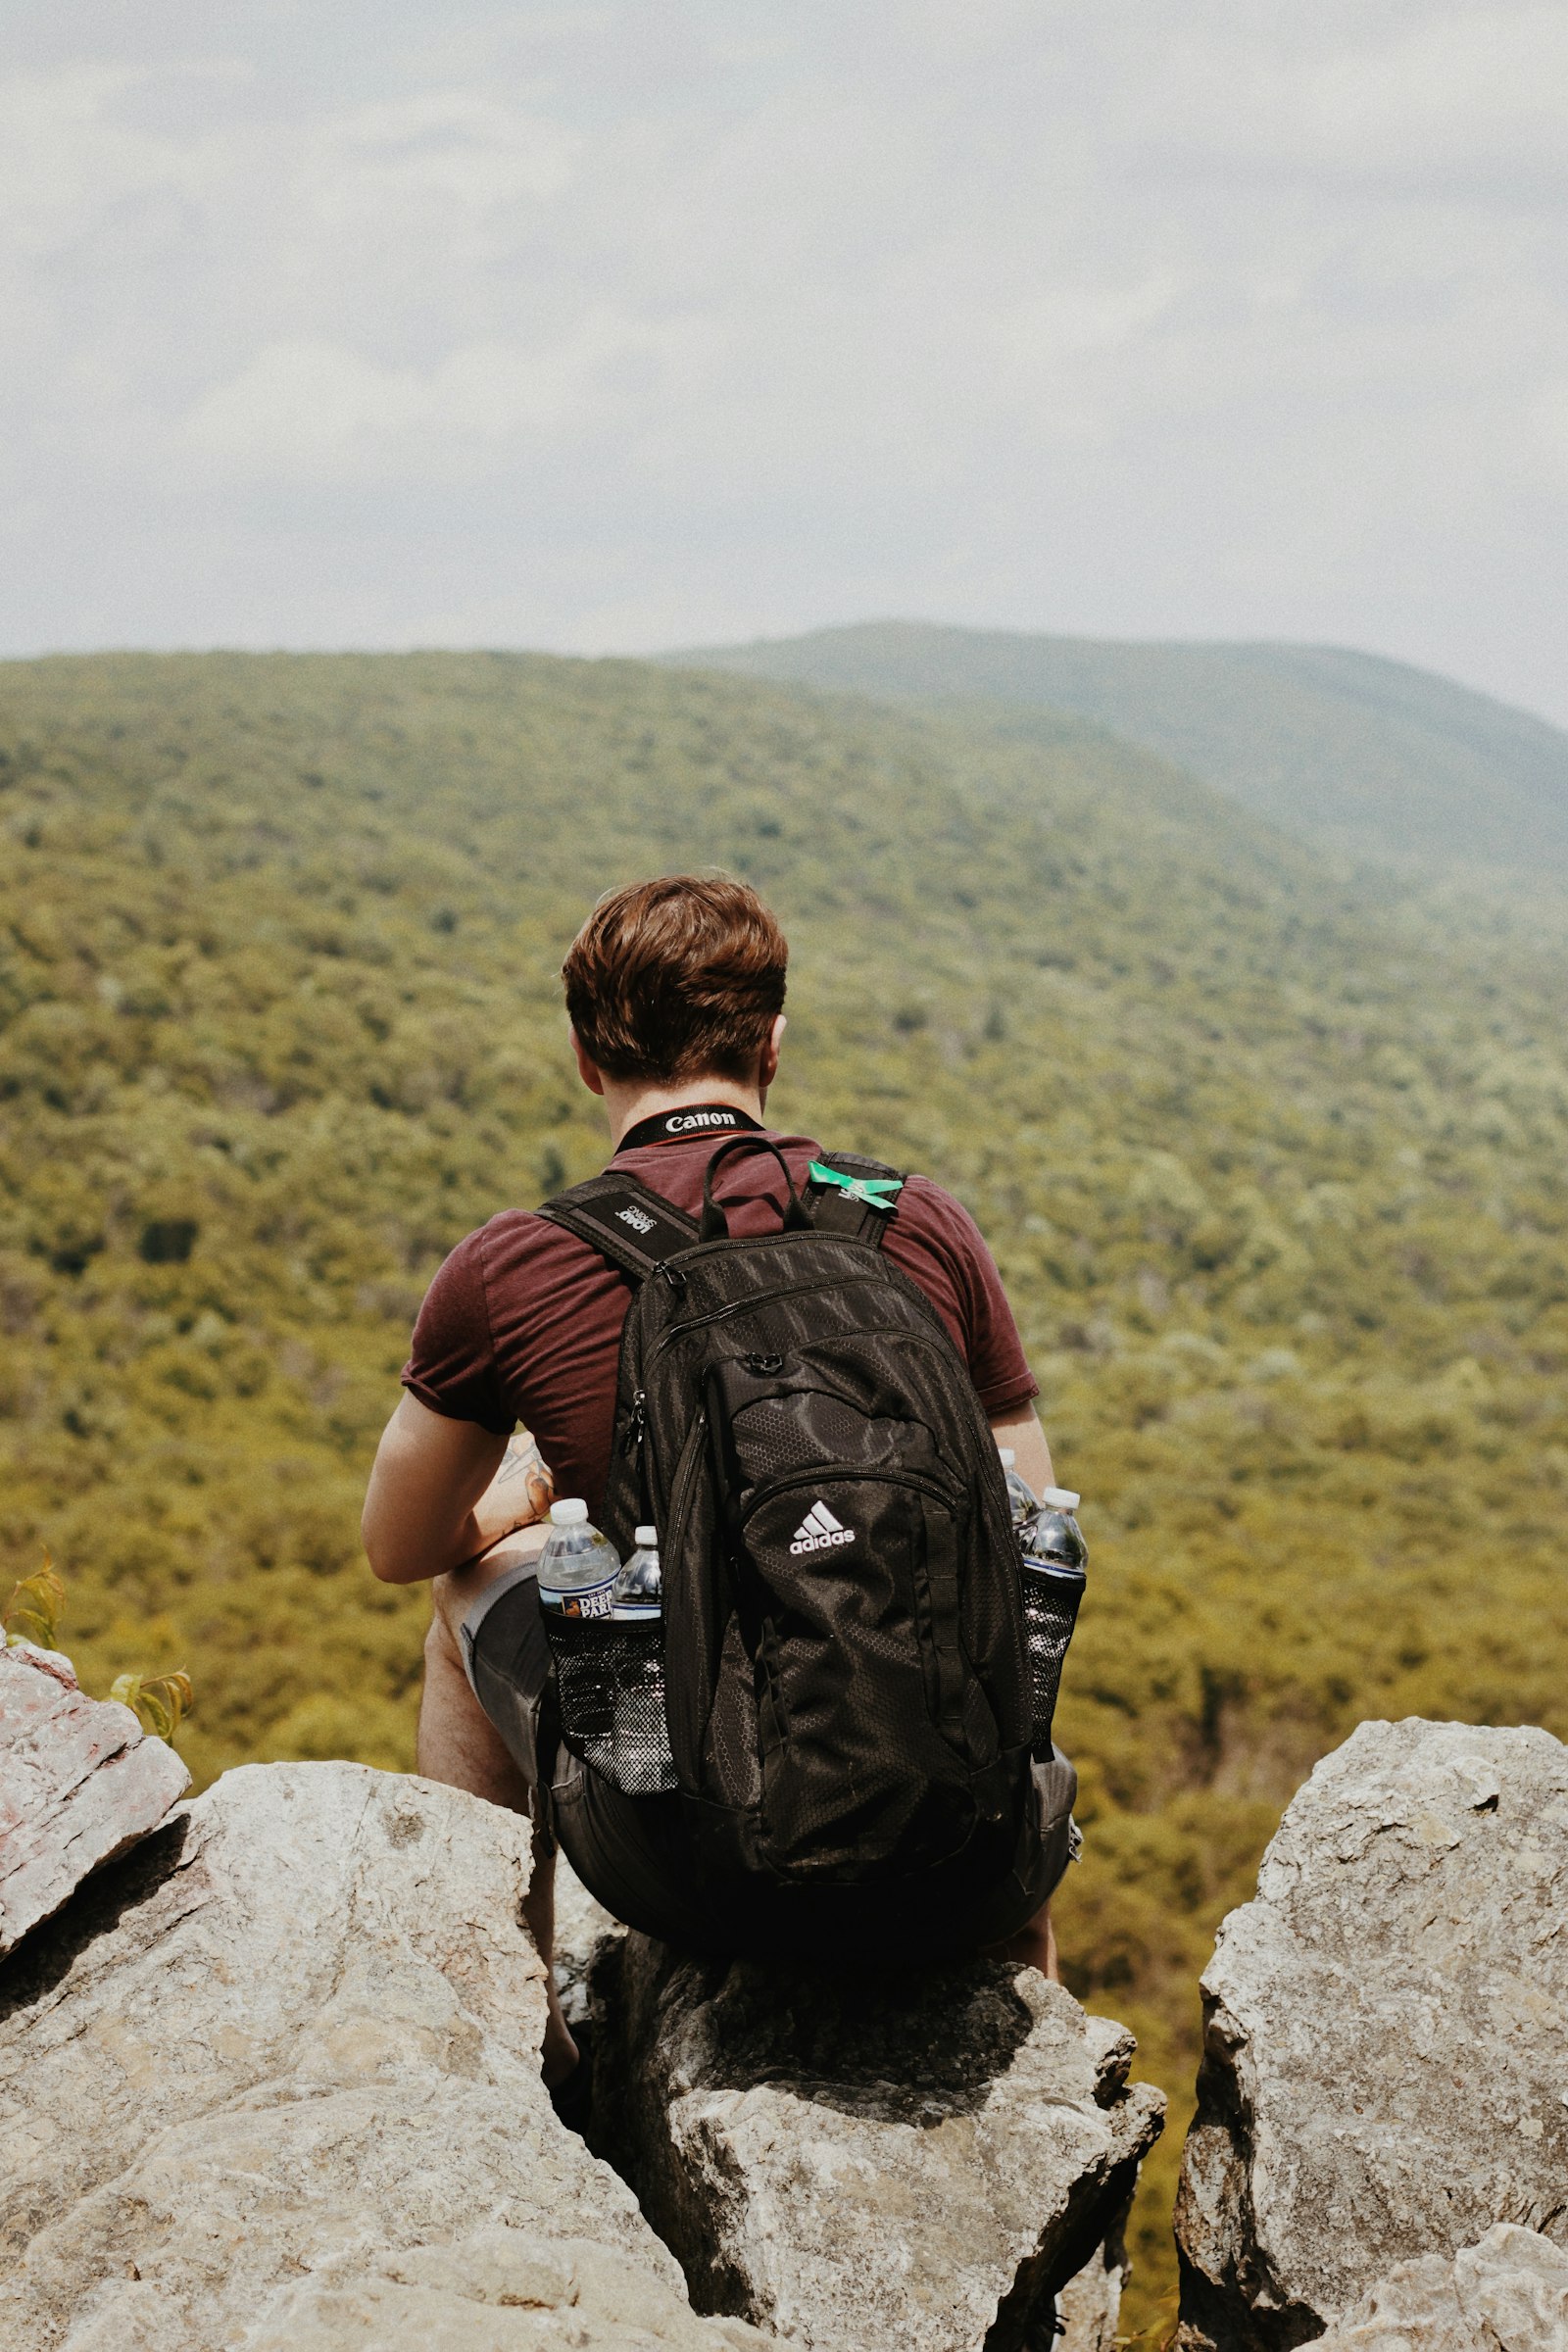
[[272, 2080], [81, 1783], [869, 2161], [1385, 2073]]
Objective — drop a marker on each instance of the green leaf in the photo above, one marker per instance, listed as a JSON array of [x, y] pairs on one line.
[[37, 1605], [158, 1702]]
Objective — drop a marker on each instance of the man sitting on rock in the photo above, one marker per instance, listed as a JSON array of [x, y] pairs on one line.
[[675, 990]]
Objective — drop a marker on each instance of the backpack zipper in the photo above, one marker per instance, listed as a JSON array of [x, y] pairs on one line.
[[951, 1498], [637, 1426], [690, 1457], [744, 1306]]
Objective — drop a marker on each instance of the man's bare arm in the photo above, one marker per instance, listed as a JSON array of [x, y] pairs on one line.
[[442, 1491], [521, 1489], [1023, 1433]]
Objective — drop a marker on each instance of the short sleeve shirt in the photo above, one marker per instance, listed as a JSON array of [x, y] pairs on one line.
[[523, 1320]]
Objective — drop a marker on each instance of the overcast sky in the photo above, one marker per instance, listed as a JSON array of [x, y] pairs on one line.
[[657, 321]]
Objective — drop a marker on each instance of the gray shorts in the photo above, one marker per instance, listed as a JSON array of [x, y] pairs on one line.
[[633, 1853]]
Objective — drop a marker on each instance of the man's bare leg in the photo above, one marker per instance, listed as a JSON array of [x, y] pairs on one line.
[[459, 1745], [1033, 1946]]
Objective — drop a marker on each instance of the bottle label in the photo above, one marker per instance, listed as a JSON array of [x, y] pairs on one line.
[[1045, 1563], [597, 1602]]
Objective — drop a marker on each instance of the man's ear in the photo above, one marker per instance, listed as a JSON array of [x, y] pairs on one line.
[[767, 1069], [587, 1070]]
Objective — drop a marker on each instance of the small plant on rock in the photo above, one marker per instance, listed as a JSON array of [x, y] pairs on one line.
[[33, 1615]]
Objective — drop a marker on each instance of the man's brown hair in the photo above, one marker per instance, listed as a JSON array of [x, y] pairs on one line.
[[676, 979]]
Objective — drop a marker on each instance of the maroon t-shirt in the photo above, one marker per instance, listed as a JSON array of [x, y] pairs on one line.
[[522, 1322]]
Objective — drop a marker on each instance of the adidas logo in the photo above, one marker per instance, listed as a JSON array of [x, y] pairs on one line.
[[818, 1529], [637, 1218]]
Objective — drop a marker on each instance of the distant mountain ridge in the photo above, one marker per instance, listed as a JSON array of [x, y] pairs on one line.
[[1370, 757]]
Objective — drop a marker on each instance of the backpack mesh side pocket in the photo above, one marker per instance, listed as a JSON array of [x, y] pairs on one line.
[[609, 1683], [1051, 1598]]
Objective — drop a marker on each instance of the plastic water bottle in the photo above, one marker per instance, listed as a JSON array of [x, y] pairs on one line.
[[1053, 1557], [578, 1567], [643, 1766], [1052, 1536], [1020, 1495], [638, 1595]]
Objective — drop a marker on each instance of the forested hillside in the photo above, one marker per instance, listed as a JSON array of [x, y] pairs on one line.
[[1371, 758], [1280, 1197]]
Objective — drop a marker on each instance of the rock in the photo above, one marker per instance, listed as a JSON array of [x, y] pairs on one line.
[[1508, 2294], [863, 2161], [80, 1782], [1385, 2053], [274, 2077], [588, 1958], [499, 2290], [586, 1938], [1090, 2304]]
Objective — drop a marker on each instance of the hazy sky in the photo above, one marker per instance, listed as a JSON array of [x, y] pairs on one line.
[[661, 320]]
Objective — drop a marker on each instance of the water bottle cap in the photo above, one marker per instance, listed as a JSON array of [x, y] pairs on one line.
[[1010, 1456], [1060, 1499], [646, 1539], [573, 1512]]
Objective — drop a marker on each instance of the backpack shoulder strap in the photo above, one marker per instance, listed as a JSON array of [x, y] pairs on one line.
[[635, 1228], [853, 1196]]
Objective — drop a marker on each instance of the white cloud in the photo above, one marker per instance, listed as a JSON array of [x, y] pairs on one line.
[[445, 160], [317, 410], [1369, 94], [1475, 86], [65, 160]]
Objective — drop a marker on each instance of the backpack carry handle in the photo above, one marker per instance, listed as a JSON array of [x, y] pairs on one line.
[[715, 1226]]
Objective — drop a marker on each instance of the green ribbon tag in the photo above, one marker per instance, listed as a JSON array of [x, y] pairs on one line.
[[873, 1192]]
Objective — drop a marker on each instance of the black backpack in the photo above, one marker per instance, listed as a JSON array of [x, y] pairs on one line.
[[843, 1663]]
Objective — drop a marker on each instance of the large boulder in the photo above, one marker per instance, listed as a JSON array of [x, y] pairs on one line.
[[868, 2161], [274, 2079], [1508, 2294], [1386, 2055], [80, 1782]]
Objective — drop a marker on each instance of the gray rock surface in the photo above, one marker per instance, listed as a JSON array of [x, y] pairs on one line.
[[1089, 2306], [268, 2077], [586, 1938], [863, 2161], [499, 2290], [1508, 2294], [1386, 2055], [80, 1782]]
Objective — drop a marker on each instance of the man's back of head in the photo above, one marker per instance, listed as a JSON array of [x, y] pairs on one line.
[[676, 979]]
